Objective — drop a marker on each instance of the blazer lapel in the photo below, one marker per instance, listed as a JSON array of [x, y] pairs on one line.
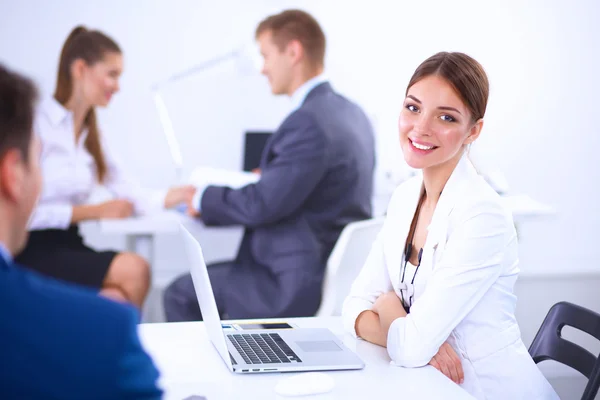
[[438, 228], [402, 215]]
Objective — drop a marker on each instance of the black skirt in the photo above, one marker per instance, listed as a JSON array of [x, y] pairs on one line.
[[61, 254]]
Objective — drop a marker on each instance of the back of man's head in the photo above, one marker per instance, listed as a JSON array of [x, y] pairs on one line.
[[17, 97], [297, 25], [20, 179]]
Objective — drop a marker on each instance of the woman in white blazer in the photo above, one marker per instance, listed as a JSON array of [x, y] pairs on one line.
[[437, 287], [74, 159]]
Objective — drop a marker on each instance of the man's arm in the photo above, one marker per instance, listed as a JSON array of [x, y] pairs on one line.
[[137, 375], [298, 165]]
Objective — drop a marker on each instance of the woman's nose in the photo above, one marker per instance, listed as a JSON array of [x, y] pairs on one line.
[[423, 125]]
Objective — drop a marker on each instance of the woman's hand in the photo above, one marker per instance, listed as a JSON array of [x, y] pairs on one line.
[[385, 302], [448, 363], [179, 195], [114, 209], [389, 308]]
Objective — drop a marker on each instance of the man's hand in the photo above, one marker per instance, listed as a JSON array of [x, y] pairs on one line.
[[448, 363], [191, 209], [178, 195]]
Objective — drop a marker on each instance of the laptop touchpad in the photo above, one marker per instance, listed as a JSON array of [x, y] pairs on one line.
[[318, 346]]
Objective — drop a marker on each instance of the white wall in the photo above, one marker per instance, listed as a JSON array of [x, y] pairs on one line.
[[540, 131], [540, 126]]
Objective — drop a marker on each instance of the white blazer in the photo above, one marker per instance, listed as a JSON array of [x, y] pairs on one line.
[[463, 289]]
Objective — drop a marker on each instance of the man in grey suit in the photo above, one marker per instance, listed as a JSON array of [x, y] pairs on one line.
[[316, 176]]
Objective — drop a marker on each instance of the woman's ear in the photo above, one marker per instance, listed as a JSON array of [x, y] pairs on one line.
[[474, 131], [77, 68]]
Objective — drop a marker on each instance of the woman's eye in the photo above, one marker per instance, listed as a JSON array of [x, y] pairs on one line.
[[448, 118], [412, 108]]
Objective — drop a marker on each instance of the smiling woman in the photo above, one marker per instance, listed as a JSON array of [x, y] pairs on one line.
[[444, 296], [442, 128], [73, 161]]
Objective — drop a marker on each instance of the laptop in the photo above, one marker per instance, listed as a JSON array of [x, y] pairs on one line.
[[264, 350]]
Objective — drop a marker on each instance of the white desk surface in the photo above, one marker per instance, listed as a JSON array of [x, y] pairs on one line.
[[190, 365], [522, 205], [168, 222], [163, 222]]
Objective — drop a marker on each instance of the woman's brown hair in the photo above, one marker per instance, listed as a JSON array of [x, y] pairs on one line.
[[89, 46], [465, 74]]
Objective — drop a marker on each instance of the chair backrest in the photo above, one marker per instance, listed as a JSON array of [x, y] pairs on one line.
[[345, 262], [550, 345]]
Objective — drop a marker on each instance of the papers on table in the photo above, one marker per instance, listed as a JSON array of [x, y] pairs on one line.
[[203, 176]]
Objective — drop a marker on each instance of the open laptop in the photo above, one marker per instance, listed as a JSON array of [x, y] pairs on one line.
[[269, 350]]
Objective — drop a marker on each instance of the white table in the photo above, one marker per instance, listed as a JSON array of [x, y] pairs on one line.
[[140, 231], [189, 365], [524, 207]]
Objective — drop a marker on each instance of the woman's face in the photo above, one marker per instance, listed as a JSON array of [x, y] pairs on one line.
[[100, 81], [435, 125]]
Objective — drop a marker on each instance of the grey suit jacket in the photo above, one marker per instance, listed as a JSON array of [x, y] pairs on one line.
[[316, 177]]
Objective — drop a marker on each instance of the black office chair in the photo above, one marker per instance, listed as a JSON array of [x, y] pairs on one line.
[[549, 344]]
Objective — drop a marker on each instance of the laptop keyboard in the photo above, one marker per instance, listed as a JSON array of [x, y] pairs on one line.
[[263, 348]]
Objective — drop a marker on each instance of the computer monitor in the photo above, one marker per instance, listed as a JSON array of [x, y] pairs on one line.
[[254, 143]]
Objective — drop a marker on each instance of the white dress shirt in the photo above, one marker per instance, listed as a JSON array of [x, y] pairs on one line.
[[300, 94], [462, 291], [69, 172], [297, 98]]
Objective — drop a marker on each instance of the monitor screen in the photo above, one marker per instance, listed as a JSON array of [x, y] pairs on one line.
[[253, 148]]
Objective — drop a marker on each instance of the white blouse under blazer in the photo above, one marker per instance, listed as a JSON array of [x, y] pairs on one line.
[[69, 172], [463, 290]]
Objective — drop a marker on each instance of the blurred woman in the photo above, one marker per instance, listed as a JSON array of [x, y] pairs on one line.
[[74, 160]]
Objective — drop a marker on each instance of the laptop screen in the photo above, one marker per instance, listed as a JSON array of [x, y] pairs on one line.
[[205, 295]]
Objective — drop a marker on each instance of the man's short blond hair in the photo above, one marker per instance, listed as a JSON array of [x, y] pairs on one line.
[[296, 25]]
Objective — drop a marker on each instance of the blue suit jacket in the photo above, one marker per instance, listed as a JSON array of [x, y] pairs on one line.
[[63, 342], [316, 177]]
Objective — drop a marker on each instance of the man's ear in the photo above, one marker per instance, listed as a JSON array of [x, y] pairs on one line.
[[474, 131], [295, 50], [12, 175]]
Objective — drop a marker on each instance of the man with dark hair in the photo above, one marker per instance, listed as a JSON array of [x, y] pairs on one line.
[[316, 177], [58, 341]]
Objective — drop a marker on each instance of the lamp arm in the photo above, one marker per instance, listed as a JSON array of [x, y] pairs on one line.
[[197, 68], [163, 113]]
